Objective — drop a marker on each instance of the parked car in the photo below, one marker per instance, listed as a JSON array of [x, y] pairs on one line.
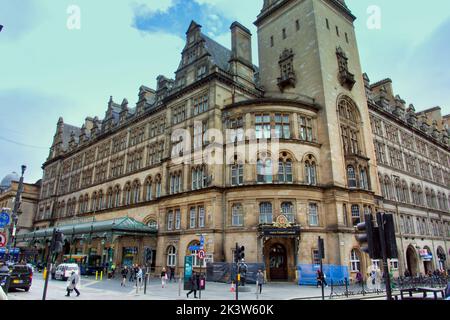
[[21, 277], [63, 271]]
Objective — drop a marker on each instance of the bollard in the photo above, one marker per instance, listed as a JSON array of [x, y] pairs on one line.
[[346, 287], [96, 275], [101, 276], [145, 284], [45, 273], [179, 286]]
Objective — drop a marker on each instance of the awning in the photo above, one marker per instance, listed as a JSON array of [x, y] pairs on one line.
[[95, 229]]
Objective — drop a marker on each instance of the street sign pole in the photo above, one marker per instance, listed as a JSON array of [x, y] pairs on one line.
[[322, 276]]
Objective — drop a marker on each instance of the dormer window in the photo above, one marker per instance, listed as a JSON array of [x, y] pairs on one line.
[[201, 72]]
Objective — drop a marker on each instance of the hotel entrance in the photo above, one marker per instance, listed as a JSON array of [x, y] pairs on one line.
[[278, 267]]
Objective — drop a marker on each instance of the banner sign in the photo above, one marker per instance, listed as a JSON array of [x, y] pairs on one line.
[[188, 269]]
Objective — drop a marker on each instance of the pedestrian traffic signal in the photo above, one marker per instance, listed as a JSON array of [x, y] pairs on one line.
[[370, 239]]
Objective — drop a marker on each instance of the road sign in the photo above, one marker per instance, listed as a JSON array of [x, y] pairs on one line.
[[5, 219], [195, 248], [2, 240], [201, 254], [202, 241]]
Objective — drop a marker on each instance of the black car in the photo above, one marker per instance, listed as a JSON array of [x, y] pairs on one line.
[[21, 277]]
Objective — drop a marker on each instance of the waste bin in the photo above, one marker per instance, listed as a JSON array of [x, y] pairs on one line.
[[5, 279]]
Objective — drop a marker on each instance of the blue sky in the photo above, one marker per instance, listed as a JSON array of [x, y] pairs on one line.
[[49, 71]]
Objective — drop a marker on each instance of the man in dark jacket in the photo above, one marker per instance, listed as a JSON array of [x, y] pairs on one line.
[[194, 283]]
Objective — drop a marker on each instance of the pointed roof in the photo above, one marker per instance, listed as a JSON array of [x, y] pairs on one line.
[[193, 26]]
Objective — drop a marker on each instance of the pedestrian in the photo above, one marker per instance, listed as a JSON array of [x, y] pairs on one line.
[[407, 273], [194, 286], [172, 274], [132, 275], [259, 281], [73, 282], [359, 278], [124, 276], [163, 277], [139, 277], [113, 270]]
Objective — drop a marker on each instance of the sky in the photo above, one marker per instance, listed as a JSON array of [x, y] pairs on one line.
[[50, 68]]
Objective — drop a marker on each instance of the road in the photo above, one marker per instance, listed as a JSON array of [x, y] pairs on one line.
[[111, 290]]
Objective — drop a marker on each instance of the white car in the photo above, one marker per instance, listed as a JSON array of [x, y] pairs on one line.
[[64, 271]]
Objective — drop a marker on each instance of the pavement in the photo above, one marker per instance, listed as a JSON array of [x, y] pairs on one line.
[[111, 290]]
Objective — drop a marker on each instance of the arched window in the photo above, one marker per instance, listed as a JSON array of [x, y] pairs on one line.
[[285, 169], [196, 262], [136, 192], [117, 192], [81, 205], [109, 198], [265, 171], [398, 190], [148, 189], [355, 261], [433, 200], [405, 192], [349, 118], [100, 201], [310, 171], [351, 176], [62, 209], [265, 213], [158, 186], [237, 215], [152, 224], [420, 195], [127, 194], [287, 209], [363, 180], [94, 201], [199, 178], [171, 256]]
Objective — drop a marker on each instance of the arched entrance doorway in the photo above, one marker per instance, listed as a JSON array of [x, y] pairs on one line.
[[411, 261], [278, 263], [441, 257], [428, 261]]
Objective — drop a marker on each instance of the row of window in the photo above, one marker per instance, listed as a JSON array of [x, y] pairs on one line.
[[408, 141], [195, 220], [424, 227], [399, 191]]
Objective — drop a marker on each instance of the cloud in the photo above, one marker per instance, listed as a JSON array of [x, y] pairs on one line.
[[18, 18]]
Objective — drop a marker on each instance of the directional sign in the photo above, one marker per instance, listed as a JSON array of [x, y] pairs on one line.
[[195, 248], [4, 219], [2, 240], [202, 241], [201, 254]]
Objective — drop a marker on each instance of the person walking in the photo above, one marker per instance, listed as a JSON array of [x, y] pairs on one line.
[[163, 277], [124, 274], [139, 277], [172, 274], [194, 285], [132, 275], [73, 282], [113, 271], [259, 281]]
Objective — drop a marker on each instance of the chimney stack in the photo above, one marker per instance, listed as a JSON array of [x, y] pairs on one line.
[[241, 57]]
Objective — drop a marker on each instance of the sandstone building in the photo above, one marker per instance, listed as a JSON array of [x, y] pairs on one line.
[[345, 148]]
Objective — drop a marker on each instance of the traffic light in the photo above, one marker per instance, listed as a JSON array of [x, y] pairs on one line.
[[239, 253], [389, 235], [370, 240], [321, 249], [58, 242]]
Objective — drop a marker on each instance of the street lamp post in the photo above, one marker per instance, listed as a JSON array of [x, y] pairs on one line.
[[14, 216]]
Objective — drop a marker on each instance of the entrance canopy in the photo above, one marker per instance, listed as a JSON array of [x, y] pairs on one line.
[[95, 229]]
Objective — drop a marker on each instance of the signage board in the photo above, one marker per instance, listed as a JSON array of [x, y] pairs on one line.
[[5, 219], [2, 240], [201, 254], [188, 269]]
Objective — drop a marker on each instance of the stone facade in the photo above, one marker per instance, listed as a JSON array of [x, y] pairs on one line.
[[308, 96]]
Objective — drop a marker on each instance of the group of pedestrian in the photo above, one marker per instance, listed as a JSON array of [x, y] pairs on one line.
[[135, 273]]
